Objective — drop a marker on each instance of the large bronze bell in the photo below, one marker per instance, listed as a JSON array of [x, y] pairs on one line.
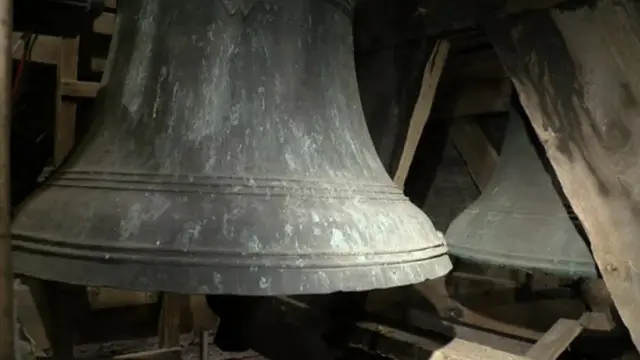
[[519, 219], [229, 156]]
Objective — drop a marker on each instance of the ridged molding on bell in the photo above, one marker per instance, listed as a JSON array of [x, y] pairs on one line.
[[245, 6], [228, 157]]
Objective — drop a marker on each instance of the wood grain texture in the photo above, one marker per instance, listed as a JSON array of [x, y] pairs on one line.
[[65, 120], [170, 316], [422, 109], [419, 18], [407, 346], [556, 340], [480, 157], [578, 77]]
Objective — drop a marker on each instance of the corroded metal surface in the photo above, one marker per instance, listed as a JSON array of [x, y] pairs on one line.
[[519, 219], [229, 156]]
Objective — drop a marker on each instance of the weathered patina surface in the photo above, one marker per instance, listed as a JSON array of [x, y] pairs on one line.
[[230, 155]]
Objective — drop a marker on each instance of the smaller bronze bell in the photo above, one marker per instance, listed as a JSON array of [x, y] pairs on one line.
[[519, 219]]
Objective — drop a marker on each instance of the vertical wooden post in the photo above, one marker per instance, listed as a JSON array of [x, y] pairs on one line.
[[7, 331], [170, 316], [65, 120], [578, 76]]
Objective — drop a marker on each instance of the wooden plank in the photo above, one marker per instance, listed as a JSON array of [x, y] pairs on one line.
[[106, 298], [392, 25], [578, 78], [65, 121], [511, 318], [202, 316], [46, 50], [476, 151], [475, 98], [75, 88], [434, 323], [556, 340], [174, 353], [30, 318], [430, 80], [60, 307], [480, 65], [98, 64], [104, 24], [407, 346]]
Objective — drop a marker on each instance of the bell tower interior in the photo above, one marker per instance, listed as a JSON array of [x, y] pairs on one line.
[[320, 179]]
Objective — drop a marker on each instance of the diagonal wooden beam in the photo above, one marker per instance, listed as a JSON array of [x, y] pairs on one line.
[[578, 77], [475, 149], [556, 340], [422, 109]]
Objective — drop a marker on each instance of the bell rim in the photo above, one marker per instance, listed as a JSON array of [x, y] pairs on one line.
[[584, 269], [221, 280]]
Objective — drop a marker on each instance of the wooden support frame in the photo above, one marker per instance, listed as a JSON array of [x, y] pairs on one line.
[[434, 17], [549, 347], [577, 75], [170, 316], [475, 149], [431, 78], [65, 120]]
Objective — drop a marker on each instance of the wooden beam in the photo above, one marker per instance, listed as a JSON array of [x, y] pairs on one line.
[[556, 340], [170, 316], [421, 111], [392, 24], [75, 88], [60, 307], [431, 322], [98, 64], [578, 78], [480, 65], [104, 24], [30, 318], [46, 49], [106, 298], [475, 98], [202, 316], [407, 346], [174, 353], [475, 149], [65, 120], [504, 316]]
